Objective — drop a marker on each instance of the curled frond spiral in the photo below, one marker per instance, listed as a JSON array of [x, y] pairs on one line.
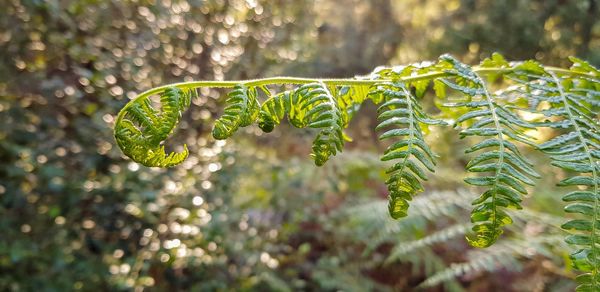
[[140, 128], [310, 105], [241, 111], [276, 107]]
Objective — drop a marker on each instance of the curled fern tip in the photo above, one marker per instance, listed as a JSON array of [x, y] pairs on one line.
[[140, 129]]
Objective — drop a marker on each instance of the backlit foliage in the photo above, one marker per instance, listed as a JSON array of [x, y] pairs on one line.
[[488, 103]]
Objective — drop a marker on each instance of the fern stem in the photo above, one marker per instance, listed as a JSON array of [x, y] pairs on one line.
[[335, 81], [588, 152]]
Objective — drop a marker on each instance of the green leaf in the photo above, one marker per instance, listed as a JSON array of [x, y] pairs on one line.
[[578, 239], [583, 208], [323, 112], [578, 180], [508, 169], [578, 224], [400, 109], [242, 109]]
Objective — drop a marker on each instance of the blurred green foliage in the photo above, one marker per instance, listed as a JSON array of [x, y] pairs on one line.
[[76, 215]]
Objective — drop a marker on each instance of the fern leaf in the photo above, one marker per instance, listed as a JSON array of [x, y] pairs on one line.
[[566, 103], [292, 103], [441, 236], [508, 169], [350, 98], [310, 105], [242, 110], [504, 254], [276, 107], [402, 114], [323, 112], [140, 128], [370, 218]]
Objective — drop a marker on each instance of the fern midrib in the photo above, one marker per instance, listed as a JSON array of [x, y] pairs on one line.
[[411, 128], [332, 101], [594, 174], [335, 112], [500, 146]]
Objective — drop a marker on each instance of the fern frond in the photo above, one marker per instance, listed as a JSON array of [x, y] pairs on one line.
[[505, 254], [379, 228], [140, 128], [323, 112], [441, 236], [508, 169], [242, 110], [377, 231], [577, 149], [402, 114], [276, 107]]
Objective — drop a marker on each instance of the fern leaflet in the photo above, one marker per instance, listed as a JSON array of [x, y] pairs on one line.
[[242, 110], [567, 104], [509, 169], [400, 108], [276, 107], [323, 112]]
